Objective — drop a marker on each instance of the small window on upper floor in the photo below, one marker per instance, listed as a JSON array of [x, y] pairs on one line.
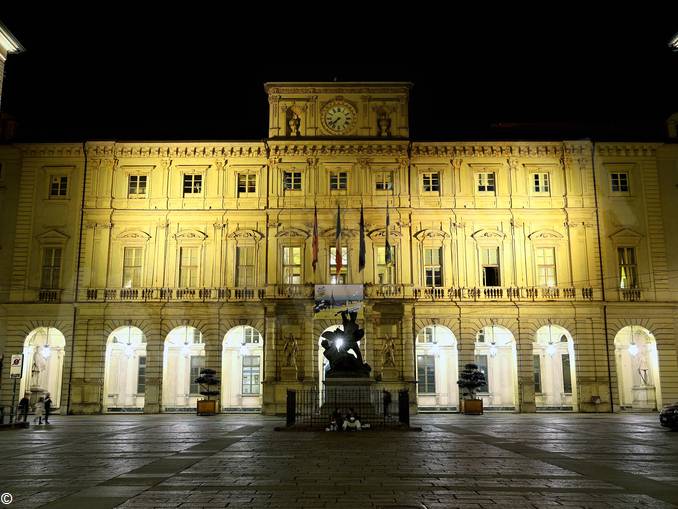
[[338, 181], [192, 184], [58, 187], [384, 181], [541, 183], [485, 182], [136, 187], [431, 182], [619, 182], [247, 184], [292, 181]]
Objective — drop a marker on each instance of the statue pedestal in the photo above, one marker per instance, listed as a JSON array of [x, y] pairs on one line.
[[288, 374], [344, 393], [390, 374]]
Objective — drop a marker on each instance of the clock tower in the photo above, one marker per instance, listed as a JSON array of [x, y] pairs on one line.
[[338, 110]]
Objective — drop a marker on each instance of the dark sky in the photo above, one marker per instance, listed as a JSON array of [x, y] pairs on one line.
[[123, 75]]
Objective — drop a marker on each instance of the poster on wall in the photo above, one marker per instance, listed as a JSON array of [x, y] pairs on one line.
[[16, 366], [331, 300]]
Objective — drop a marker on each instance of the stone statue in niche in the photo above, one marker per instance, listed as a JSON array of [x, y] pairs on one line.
[[293, 122], [383, 124], [389, 352], [290, 351]]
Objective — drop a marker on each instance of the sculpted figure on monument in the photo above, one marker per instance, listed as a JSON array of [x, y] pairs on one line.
[[342, 349]]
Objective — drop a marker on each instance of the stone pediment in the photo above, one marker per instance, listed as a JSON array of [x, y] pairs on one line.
[[545, 234], [190, 234], [626, 235], [491, 235], [430, 234], [380, 234], [345, 233], [246, 235], [293, 233], [52, 236], [133, 235]]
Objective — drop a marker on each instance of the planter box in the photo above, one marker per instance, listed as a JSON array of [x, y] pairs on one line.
[[472, 406], [207, 407]]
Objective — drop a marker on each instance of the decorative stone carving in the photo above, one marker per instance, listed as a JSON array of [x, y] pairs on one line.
[[246, 235], [488, 235], [293, 232], [134, 235], [430, 234], [190, 235], [545, 235], [380, 234]]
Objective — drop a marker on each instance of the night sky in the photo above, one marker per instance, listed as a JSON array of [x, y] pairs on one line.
[[181, 76]]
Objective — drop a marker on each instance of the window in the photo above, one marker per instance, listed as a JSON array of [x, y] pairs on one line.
[[426, 335], [384, 181], [620, 182], [628, 270], [192, 184], [385, 272], [131, 268], [197, 363], [537, 373], [141, 375], [247, 183], [489, 259], [338, 181], [541, 182], [58, 187], [426, 374], [136, 186], [431, 182], [567, 374], [250, 335], [292, 180], [432, 269], [342, 277], [250, 375], [188, 268], [51, 267], [292, 265], [546, 266], [485, 182], [244, 267], [481, 362]]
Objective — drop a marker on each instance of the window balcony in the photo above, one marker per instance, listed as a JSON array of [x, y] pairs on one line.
[[49, 295], [630, 294], [173, 294], [501, 293]]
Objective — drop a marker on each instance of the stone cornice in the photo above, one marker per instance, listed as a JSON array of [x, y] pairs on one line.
[[50, 149], [628, 149], [348, 147], [337, 88], [178, 150], [485, 149]]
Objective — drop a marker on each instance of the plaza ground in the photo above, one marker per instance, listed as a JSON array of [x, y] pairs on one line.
[[495, 460]]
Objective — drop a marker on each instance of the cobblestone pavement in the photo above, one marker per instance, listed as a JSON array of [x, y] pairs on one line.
[[495, 460]]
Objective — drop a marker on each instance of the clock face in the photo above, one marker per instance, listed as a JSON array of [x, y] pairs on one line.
[[339, 117]]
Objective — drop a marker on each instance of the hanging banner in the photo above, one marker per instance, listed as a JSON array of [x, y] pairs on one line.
[[16, 366], [331, 300]]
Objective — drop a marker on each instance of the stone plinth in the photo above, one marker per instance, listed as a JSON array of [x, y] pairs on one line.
[[345, 393]]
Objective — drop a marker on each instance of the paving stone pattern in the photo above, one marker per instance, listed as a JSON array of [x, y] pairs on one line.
[[496, 460]]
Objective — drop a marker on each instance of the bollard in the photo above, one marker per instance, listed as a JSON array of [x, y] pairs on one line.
[[291, 407]]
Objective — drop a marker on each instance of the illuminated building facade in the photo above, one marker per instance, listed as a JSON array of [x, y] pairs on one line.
[[551, 265]]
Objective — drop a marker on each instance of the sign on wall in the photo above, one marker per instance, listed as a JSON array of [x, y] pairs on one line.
[[16, 366], [330, 300]]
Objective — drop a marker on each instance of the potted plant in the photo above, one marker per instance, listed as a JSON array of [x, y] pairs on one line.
[[470, 379], [209, 386]]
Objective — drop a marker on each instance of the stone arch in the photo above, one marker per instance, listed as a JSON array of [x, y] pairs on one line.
[[242, 355], [436, 365], [45, 349], [110, 325], [125, 355], [450, 323], [637, 368], [554, 368]]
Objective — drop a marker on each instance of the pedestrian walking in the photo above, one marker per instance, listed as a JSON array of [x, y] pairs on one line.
[[48, 407], [24, 403], [39, 410], [387, 403]]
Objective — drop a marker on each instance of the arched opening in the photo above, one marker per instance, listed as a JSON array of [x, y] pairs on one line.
[[125, 370], [495, 355], [555, 384], [437, 369], [44, 351], [241, 369], [637, 369], [183, 358]]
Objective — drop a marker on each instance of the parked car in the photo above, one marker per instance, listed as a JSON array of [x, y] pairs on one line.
[[669, 416]]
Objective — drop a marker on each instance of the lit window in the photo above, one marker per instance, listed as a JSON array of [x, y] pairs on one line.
[[537, 373], [384, 181], [485, 182], [426, 335], [244, 266], [567, 374], [620, 182], [136, 186], [628, 269], [192, 184], [291, 265], [489, 259], [250, 374], [51, 267], [131, 268], [247, 183], [342, 277], [188, 267], [141, 375], [432, 269], [540, 182], [197, 363], [426, 374], [292, 180], [481, 362], [546, 266], [251, 336], [338, 181], [58, 186], [431, 182], [385, 269]]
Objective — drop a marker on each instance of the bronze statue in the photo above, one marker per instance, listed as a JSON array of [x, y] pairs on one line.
[[342, 349]]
